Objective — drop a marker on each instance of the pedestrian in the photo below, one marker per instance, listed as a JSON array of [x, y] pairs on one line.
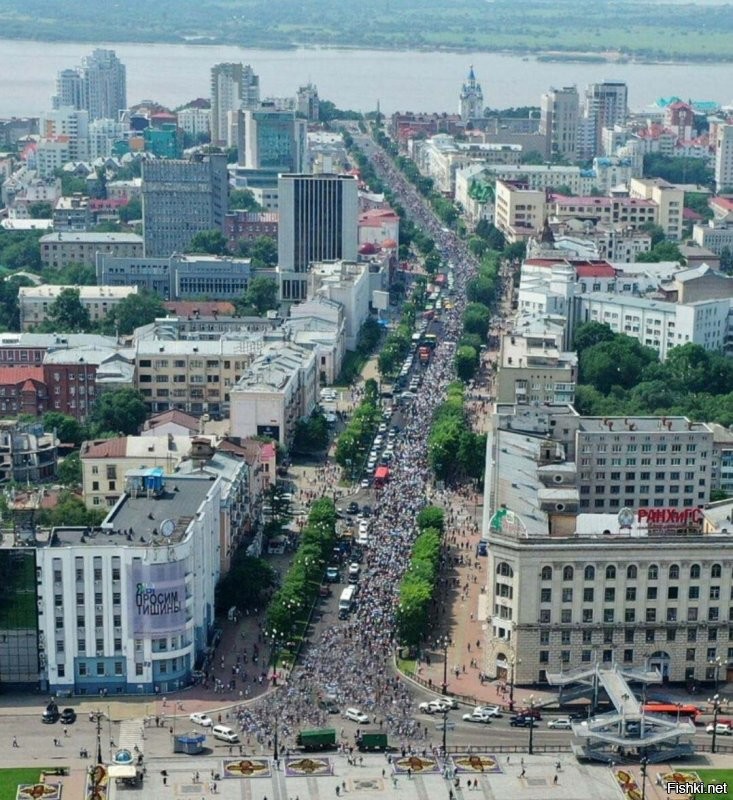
[[554, 780], [523, 772], [15, 741]]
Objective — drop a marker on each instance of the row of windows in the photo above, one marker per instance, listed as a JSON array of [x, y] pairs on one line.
[[566, 636], [586, 656], [609, 615], [632, 572], [609, 593]]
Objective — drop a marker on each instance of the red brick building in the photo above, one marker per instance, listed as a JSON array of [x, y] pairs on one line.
[[23, 391], [248, 226]]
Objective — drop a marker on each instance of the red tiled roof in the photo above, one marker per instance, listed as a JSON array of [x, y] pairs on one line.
[[175, 416], [16, 375], [688, 213], [595, 271], [105, 448], [723, 202]]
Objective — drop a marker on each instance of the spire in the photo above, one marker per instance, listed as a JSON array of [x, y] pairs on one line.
[[471, 74], [547, 237]]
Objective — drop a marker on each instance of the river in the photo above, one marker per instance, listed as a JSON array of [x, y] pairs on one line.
[[404, 80]]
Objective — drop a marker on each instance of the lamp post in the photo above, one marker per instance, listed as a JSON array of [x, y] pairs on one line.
[[97, 717], [445, 732], [443, 643], [717, 704], [515, 661], [531, 724], [275, 635], [716, 663], [644, 761]]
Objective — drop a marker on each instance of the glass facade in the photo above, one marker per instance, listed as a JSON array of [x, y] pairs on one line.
[[19, 644]]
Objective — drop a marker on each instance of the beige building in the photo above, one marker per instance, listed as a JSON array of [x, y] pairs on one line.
[[592, 560], [35, 301], [534, 369], [519, 212], [669, 199], [58, 250], [105, 462]]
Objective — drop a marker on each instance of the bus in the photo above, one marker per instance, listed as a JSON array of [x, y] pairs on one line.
[[684, 710], [346, 600]]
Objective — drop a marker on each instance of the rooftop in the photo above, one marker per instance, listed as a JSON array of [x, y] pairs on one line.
[[93, 238], [143, 447], [56, 340], [85, 292], [88, 354], [17, 375], [641, 425]]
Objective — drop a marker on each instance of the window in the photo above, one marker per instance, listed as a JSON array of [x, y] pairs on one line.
[[692, 634], [567, 595], [545, 615], [713, 614], [630, 615], [692, 614], [567, 573], [589, 573], [587, 615], [608, 637], [628, 656], [544, 656], [651, 615], [610, 573], [694, 572], [715, 592], [674, 572], [544, 637], [502, 568], [138, 669], [609, 595], [671, 634], [694, 592], [630, 594], [546, 573], [587, 637], [631, 573], [100, 667], [585, 656], [649, 636], [545, 595], [82, 669], [672, 593], [588, 595], [690, 654], [565, 637], [712, 634], [671, 615], [651, 593], [653, 572], [608, 615], [715, 571]]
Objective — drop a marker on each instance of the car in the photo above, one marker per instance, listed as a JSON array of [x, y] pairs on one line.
[[354, 570], [203, 720], [68, 716], [365, 483], [530, 712], [492, 711], [51, 714], [720, 729], [482, 548], [438, 706], [371, 464], [343, 613], [356, 716], [561, 724], [363, 539], [329, 704], [357, 555], [333, 575], [578, 716], [364, 526], [382, 427], [366, 511], [521, 722], [352, 508], [325, 591], [475, 716]]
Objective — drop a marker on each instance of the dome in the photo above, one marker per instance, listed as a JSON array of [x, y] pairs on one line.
[[368, 249]]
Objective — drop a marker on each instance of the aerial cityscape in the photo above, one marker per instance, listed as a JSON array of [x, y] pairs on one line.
[[370, 442]]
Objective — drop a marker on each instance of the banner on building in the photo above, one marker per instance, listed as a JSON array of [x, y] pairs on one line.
[[158, 598]]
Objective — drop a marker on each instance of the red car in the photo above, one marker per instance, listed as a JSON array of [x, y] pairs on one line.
[[531, 712]]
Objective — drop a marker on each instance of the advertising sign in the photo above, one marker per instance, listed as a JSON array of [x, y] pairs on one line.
[[158, 598]]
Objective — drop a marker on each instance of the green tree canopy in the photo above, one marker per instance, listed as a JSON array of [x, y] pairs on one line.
[[67, 314], [212, 242], [132, 312], [477, 319], [589, 333], [69, 470], [619, 362], [243, 200], [262, 294], [121, 411], [467, 362], [68, 428]]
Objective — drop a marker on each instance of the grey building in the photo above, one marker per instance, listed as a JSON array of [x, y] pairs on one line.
[[318, 222], [271, 139], [178, 277], [233, 87], [99, 86], [181, 199]]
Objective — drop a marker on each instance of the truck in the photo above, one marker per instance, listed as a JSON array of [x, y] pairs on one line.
[[317, 739], [424, 354], [372, 740], [346, 600]]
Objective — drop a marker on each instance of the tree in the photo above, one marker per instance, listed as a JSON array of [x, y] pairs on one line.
[[67, 314], [657, 232], [211, 242], [476, 319], [132, 211], [726, 260], [311, 434], [9, 308], [69, 470], [121, 411], [264, 252], [245, 585], [261, 294], [68, 429], [431, 517], [132, 312], [243, 200], [73, 274], [40, 210], [619, 362], [590, 333], [432, 263], [664, 251], [467, 362]]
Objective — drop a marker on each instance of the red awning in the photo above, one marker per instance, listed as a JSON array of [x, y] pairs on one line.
[[382, 473]]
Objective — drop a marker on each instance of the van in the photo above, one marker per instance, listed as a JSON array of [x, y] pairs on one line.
[[224, 734]]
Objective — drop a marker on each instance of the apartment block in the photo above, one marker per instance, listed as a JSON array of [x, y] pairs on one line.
[[58, 250], [35, 301]]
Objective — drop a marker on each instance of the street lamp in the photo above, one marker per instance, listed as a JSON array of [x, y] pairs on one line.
[[515, 661], [644, 761], [445, 731], [97, 717], [443, 643], [716, 664], [531, 724], [276, 636], [717, 705]]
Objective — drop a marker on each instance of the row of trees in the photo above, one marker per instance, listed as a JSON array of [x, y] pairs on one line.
[[356, 438], [456, 453], [413, 616], [619, 376], [300, 584]]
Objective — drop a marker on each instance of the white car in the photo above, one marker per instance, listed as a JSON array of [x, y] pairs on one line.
[[363, 539], [364, 526], [561, 724], [201, 719], [477, 716], [365, 484], [491, 711], [438, 706], [721, 729], [356, 716]]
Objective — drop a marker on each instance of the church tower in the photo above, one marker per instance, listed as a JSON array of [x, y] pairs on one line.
[[471, 105]]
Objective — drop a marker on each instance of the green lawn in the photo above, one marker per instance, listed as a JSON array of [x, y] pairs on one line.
[[10, 779], [716, 776]]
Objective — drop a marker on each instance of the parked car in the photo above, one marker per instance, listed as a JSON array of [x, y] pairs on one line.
[[201, 719], [51, 714], [68, 716], [355, 715], [561, 723]]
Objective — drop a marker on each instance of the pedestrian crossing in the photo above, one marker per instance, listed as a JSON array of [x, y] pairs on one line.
[[131, 736]]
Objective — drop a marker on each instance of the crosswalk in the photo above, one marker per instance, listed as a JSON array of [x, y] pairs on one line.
[[131, 736]]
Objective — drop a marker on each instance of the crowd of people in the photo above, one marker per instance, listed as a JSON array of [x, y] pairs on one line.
[[351, 661]]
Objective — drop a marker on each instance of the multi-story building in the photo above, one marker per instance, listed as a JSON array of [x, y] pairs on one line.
[[128, 608], [35, 301], [559, 113], [51, 155], [279, 388], [379, 226], [104, 134], [669, 200], [598, 526], [28, 454], [345, 283], [72, 214], [99, 86], [181, 199], [606, 105], [249, 225], [195, 121], [272, 141], [71, 122], [22, 391], [714, 235], [724, 158], [518, 211], [233, 87], [534, 369], [307, 103], [178, 276], [58, 250], [318, 222], [471, 99]]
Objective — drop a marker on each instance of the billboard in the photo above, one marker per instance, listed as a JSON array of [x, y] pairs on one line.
[[158, 598]]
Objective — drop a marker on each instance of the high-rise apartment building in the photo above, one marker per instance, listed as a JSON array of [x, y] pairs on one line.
[[318, 222], [559, 112], [272, 140], [606, 105], [233, 87], [99, 86], [307, 102], [181, 199], [724, 157], [67, 121]]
